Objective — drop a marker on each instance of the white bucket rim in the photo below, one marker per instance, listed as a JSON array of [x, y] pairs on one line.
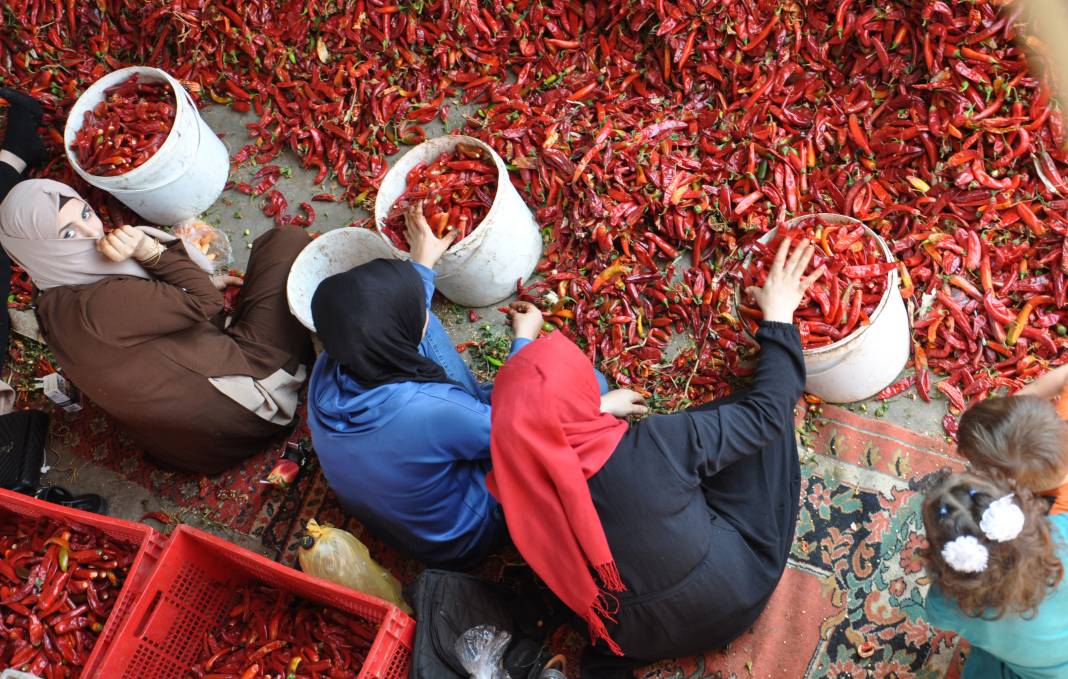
[[473, 239], [159, 75], [299, 270], [891, 282]]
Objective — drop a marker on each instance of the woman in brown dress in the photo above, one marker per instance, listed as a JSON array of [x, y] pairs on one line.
[[136, 323]]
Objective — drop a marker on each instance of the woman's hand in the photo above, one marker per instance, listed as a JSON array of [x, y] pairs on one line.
[[223, 281], [126, 242], [623, 403], [526, 319], [426, 248], [785, 287]]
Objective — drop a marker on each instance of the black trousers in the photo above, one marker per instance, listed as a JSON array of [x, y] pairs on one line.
[[8, 178]]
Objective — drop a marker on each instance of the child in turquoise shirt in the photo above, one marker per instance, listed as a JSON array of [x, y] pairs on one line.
[[996, 563]]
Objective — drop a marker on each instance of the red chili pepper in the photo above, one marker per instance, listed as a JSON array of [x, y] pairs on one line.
[[952, 394], [896, 388]]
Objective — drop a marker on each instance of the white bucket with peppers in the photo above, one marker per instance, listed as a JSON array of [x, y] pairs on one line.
[[870, 358], [185, 175], [484, 267]]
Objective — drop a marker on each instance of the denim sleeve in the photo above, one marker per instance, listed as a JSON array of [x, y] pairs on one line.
[[517, 344], [428, 276]]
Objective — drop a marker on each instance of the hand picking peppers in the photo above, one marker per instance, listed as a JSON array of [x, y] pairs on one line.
[[843, 299], [58, 584], [126, 129], [270, 634], [456, 189]]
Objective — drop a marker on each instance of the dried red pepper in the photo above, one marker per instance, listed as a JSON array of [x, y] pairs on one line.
[[269, 633], [844, 298], [661, 136], [456, 190], [58, 584], [126, 128]]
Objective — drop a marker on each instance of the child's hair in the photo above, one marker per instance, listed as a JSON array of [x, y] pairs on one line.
[[1019, 437], [1018, 572]]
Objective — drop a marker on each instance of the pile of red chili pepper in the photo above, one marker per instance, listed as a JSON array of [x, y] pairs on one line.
[[126, 128], [653, 139], [269, 633], [58, 584], [456, 190], [843, 299]]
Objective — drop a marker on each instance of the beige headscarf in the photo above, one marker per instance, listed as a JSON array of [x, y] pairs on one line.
[[29, 232]]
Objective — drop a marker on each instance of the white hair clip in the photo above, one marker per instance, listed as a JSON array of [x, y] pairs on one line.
[[966, 554], [1002, 520]]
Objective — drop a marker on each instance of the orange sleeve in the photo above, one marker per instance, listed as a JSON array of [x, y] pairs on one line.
[[1060, 500]]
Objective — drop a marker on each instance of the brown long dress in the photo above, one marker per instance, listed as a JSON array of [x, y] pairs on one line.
[[144, 351]]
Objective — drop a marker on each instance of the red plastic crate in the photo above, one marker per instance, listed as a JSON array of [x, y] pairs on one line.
[[150, 548], [188, 596]]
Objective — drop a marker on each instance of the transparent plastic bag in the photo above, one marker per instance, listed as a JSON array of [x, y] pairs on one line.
[[336, 555], [215, 244], [481, 652]]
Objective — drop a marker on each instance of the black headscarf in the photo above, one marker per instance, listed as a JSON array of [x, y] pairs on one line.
[[370, 319]]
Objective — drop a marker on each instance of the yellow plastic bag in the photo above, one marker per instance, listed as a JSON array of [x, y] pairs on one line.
[[336, 555]]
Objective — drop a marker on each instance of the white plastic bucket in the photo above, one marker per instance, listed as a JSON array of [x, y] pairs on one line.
[[186, 174], [483, 268], [869, 359], [333, 252]]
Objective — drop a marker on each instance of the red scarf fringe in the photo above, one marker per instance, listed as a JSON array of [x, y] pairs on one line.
[[609, 576], [597, 628], [611, 581]]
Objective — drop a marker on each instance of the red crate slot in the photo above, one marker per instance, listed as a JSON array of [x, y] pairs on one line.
[[188, 596], [150, 547]]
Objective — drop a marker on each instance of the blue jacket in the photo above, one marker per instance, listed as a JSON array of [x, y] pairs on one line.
[[408, 459]]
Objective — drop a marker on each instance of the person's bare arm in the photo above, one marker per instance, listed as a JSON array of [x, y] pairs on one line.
[[1049, 385]]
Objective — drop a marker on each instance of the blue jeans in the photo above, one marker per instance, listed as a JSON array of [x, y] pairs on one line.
[[439, 347]]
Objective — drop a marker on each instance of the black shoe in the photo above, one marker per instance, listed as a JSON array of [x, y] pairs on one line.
[[61, 496], [24, 116]]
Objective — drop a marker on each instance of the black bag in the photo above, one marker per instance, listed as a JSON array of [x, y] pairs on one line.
[[22, 443], [448, 604]]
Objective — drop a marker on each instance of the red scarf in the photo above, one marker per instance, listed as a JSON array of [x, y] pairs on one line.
[[547, 437]]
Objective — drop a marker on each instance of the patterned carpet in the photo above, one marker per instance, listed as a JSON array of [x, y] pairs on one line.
[[853, 588]]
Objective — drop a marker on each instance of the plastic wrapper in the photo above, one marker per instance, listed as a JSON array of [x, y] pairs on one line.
[[215, 244], [481, 651], [336, 555]]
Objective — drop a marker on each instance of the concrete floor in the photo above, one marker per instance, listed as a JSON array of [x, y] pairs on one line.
[[242, 219]]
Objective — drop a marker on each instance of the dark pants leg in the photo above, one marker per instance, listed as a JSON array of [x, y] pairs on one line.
[[262, 317], [8, 178]]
